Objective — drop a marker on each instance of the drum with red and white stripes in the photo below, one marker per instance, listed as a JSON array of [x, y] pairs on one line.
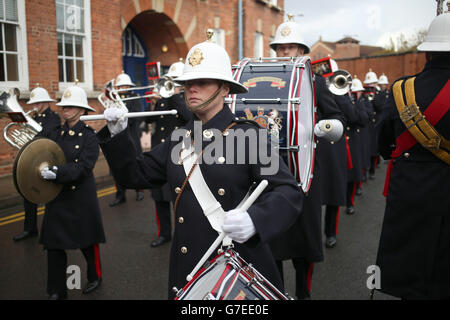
[[281, 98]]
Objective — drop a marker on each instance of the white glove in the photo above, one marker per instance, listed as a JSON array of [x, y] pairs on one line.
[[116, 120], [48, 174], [330, 129], [238, 225]]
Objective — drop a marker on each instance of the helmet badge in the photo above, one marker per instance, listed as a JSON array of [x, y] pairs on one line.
[[286, 31], [196, 57]]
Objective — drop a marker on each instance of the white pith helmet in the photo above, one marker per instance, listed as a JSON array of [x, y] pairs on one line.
[[371, 77], [383, 79], [124, 80], [438, 35], [38, 95], [356, 85], [289, 32], [208, 60], [75, 96], [176, 69]]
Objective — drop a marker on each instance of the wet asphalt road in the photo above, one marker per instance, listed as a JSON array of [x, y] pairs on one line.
[[134, 270]]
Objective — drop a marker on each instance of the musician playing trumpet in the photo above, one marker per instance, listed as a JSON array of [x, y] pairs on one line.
[[124, 84]]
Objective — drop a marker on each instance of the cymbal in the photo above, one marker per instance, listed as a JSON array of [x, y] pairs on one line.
[[31, 159]]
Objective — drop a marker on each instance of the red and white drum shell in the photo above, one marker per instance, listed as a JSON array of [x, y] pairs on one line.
[[281, 98], [229, 277]]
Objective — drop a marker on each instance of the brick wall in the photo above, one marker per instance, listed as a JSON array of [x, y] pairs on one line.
[[394, 66]]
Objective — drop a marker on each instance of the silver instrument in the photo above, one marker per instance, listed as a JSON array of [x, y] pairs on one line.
[[340, 82], [23, 128], [165, 87]]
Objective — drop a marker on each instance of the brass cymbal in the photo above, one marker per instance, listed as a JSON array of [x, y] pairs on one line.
[[31, 159]]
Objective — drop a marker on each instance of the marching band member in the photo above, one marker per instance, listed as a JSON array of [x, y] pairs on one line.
[[303, 241], [355, 141], [334, 162], [378, 102], [49, 120], [371, 81], [123, 82], [413, 253], [72, 220], [207, 79], [163, 127]]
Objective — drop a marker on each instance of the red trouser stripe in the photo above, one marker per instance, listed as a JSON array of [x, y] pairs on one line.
[[98, 267], [157, 222], [337, 220], [310, 272]]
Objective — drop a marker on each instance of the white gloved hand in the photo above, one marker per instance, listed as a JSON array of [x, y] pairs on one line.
[[48, 174], [330, 129], [238, 225], [116, 120]]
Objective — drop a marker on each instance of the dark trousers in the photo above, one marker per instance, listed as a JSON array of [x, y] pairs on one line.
[[373, 165], [303, 275], [30, 222], [351, 190], [162, 211], [57, 266], [331, 220], [121, 192]]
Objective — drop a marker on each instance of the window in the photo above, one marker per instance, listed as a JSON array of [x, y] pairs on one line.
[[219, 37], [74, 43], [259, 45], [13, 49]]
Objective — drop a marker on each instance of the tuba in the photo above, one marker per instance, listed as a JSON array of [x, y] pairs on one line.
[[23, 128]]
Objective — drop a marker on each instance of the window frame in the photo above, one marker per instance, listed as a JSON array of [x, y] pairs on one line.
[[22, 49], [87, 84]]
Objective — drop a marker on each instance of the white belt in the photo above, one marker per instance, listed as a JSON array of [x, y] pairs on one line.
[[212, 209]]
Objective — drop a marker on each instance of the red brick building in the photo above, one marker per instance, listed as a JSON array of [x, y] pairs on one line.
[[54, 42], [347, 47]]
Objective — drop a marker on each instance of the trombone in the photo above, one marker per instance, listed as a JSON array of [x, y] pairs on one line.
[[110, 98]]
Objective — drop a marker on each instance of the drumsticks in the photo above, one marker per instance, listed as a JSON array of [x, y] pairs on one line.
[[247, 203]]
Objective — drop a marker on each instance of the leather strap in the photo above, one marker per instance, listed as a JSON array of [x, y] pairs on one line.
[[416, 123]]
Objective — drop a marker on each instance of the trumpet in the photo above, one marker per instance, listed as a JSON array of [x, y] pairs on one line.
[[165, 87], [340, 82], [26, 128]]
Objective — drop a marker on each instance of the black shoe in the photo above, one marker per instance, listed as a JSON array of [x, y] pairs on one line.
[[56, 296], [117, 202], [330, 242], [372, 177], [159, 241], [358, 191], [350, 210], [92, 286], [24, 235], [139, 195]]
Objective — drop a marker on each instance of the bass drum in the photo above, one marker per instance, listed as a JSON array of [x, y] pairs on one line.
[[281, 99]]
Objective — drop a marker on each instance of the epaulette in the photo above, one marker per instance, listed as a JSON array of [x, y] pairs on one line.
[[246, 121]]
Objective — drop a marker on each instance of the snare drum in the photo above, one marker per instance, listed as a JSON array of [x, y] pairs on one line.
[[281, 98], [229, 277]]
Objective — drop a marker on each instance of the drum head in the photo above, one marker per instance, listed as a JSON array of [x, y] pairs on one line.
[[281, 99], [31, 159]]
